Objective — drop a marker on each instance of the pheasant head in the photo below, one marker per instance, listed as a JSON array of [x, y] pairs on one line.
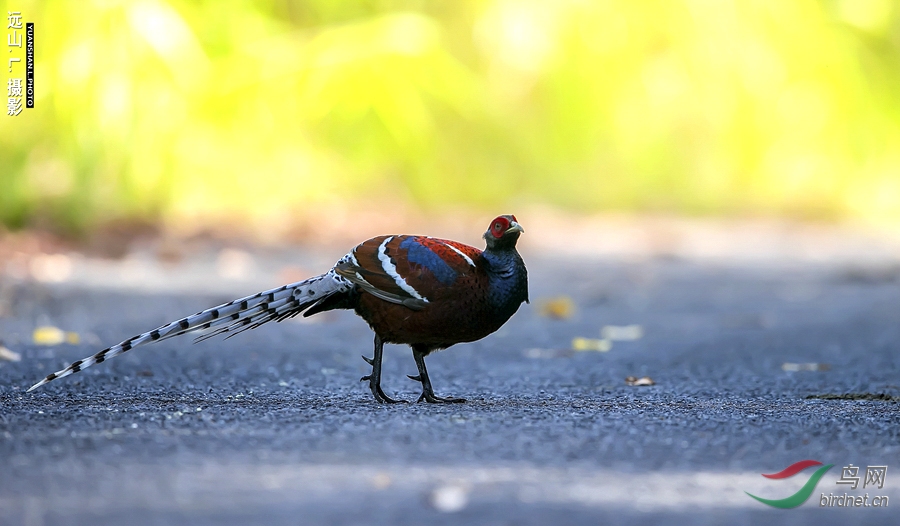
[[503, 233]]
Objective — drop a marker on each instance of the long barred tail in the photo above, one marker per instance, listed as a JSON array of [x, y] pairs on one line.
[[232, 317]]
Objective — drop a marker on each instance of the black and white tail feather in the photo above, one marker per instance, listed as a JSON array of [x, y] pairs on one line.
[[308, 297]]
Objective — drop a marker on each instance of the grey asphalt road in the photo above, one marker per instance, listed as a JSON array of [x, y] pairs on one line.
[[273, 426]]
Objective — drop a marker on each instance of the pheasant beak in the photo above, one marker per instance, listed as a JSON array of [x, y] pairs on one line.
[[514, 227]]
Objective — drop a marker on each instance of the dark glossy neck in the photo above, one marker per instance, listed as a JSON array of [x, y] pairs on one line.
[[504, 259], [508, 278]]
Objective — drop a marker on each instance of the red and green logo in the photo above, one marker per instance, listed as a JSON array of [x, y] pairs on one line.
[[800, 497]]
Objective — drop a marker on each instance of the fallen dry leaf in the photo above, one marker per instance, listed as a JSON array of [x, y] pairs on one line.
[[591, 344], [7, 354], [794, 367], [49, 335], [644, 380], [560, 307]]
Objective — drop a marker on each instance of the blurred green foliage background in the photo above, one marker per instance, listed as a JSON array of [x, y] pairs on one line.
[[164, 110]]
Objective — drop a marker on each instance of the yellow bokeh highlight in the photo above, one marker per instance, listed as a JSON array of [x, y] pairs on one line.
[[166, 110]]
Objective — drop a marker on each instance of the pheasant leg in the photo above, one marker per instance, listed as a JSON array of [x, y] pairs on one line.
[[427, 391], [375, 377]]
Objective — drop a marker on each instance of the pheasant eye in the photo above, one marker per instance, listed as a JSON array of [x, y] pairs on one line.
[[497, 226]]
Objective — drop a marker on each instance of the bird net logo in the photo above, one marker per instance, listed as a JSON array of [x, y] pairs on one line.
[[850, 480]]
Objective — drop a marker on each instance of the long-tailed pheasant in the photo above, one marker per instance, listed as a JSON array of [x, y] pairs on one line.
[[425, 292]]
